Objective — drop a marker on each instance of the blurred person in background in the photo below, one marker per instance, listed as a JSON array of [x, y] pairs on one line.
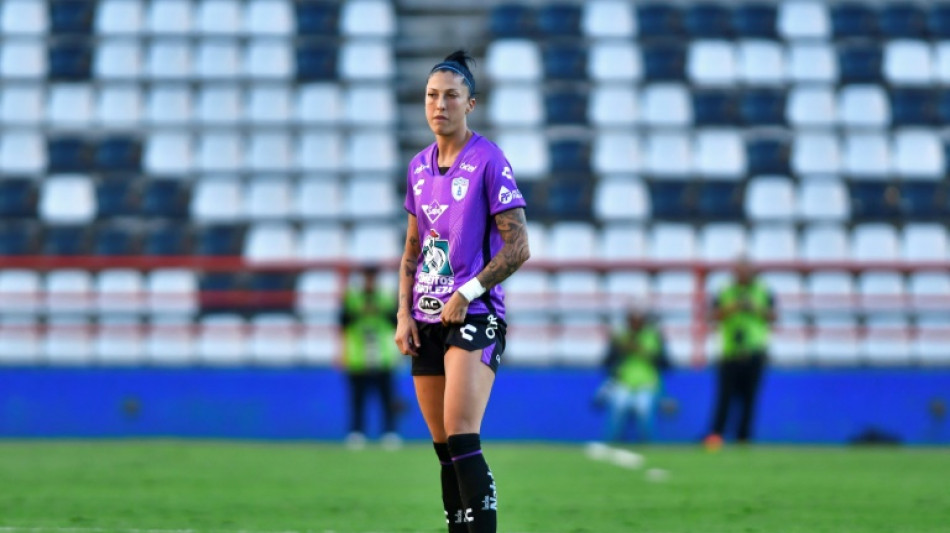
[[636, 358], [745, 312], [368, 320]]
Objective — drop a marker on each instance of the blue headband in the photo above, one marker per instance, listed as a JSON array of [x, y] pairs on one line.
[[457, 68]]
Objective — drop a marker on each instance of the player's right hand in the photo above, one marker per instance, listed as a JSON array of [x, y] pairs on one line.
[[407, 335]]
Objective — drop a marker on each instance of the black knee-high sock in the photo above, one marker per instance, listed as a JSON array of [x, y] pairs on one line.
[[476, 483], [451, 500]]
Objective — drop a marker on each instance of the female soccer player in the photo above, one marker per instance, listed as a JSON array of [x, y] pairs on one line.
[[466, 235]]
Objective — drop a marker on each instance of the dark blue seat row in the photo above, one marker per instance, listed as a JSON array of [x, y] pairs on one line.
[[28, 237], [71, 17], [318, 18], [316, 62], [153, 199], [82, 154], [255, 292], [908, 200], [680, 200], [894, 20]]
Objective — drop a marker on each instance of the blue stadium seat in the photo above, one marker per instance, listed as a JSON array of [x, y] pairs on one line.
[[320, 18], [566, 107], [943, 107], [18, 237], [69, 154], [565, 62], [915, 107], [903, 20], [853, 19], [874, 200], [708, 21], [570, 199], [511, 21], [271, 291], [69, 61], [115, 198], [559, 20], [673, 199], [659, 20], [570, 157], [664, 62], [860, 63], [755, 20], [715, 107], [763, 107], [219, 240], [167, 239], [222, 292], [71, 17], [17, 198], [768, 156], [938, 20], [923, 200], [720, 201], [114, 240], [316, 62], [535, 194], [66, 240], [119, 154], [165, 198]]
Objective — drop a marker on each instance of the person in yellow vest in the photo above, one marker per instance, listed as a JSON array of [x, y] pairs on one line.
[[369, 322], [635, 359], [745, 312]]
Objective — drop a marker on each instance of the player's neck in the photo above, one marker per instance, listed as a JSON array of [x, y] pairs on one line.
[[450, 146]]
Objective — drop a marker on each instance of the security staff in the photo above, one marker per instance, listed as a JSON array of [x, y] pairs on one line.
[[745, 312], [369, 355]]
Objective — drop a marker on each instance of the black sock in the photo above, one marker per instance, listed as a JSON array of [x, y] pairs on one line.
[[451, 500], [476, 483]]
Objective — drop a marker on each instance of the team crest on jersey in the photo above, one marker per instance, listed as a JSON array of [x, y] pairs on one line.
[[459, 188], [435, 255], [434, 210]]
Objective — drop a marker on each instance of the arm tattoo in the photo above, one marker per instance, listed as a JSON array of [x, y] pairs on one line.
[[408, 273], [513, 229]]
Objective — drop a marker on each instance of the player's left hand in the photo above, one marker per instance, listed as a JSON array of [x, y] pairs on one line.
[[455, 310]]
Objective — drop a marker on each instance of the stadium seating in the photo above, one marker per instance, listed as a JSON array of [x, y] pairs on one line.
[[278, 130]]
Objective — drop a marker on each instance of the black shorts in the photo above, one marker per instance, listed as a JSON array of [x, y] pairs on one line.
[[479, 332]]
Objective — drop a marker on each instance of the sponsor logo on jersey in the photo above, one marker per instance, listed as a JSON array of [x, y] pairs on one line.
[[434, 210], [459, 188], [417, 188], [467, 167], [435, 255], [506, 172], [506, 195], [420, 168], [430, 305]]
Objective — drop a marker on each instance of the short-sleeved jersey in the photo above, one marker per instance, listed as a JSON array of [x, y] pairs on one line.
[[455, 216]]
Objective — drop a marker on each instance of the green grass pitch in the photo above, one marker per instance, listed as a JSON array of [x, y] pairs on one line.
[[228, 487]]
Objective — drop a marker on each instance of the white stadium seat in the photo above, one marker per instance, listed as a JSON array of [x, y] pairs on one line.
[[269, 17], [372, 151], [269, 104], [118, 59], [928, 291], [120, 291], [573, 241], [218, 17], [270, 152], [68, 292], [622, 198], [874, 242], [319, 103], [711, 63], [616, 153], [924, 242], [22, 153], [22, 105], [666, 104], [908, 62], [815, 153], [375, 105], [169, 59], [217, 199], [512, 106], [70, 106], [218, 104], [172, 292], [368, 18], [761, 62], [274, 339], [788, 344], [668, 154], [120, 341], [119, 106], [931, 346], [770, 198], [942, 61], [268, 59], [168, 154], [19, 340], [863, 106], [370, 196], [68, 341], [366, 60], [120, 17], [803, 19], [527, 151], [169, 340], [811, 106], [169, 105], [374, 242], [720, 154], [825, 242], [220, 152], [222, 340], [271, 241], [513, 60], [722, 242], [608, 18], [810, 62], [823, 198], [321, 343], [320, 151], [613, 106], [322, 242], [882, 292], [170, 17], [887, 341], [671, 242], [867, 156], [773, 243], [67, 199], [614, 61], [318, 198], [269, 199], [218, 60], [23, 17], [622, 242], [318, 293], [19, 292], [830, 292], [836, 341], [918, 154]]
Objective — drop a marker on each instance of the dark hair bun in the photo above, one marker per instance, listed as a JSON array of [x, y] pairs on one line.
[[461, 57]]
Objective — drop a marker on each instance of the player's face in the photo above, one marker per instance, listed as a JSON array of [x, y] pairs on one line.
[[447, 103]]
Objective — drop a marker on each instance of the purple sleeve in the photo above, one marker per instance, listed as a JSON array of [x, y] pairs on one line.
[[503, 193], [410, 203]]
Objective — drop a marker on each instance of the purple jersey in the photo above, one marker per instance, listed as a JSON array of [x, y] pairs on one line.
[[455, 215]]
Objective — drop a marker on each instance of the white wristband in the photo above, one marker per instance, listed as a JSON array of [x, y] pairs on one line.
[[471, 289]]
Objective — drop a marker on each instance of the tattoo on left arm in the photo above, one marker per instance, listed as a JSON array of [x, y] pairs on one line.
[[513, 229]]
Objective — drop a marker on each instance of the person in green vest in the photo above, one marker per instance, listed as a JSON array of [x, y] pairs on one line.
[[368, 321], [745, 312], [635, 360]]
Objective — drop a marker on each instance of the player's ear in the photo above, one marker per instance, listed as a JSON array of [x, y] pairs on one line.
[[471, 105]]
